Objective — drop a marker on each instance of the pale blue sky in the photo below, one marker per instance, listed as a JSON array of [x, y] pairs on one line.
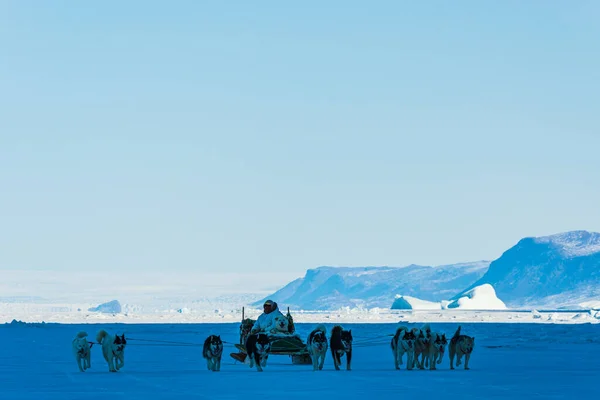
[[237, 136]]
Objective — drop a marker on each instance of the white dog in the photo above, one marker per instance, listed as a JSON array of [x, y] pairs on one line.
[[279, 324], [403, 342], [316, 345], [113, 349], [81, 350]]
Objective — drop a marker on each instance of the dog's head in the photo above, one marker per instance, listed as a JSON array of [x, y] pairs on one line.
[[347, 338], [215, 344], [281, 323], [440, 342], [319, 340], [467, 343], [119, 344], [81, 346], [409, 338], [263, 345]]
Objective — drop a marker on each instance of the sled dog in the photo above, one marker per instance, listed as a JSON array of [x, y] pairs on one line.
[[403, 342], [317, 346], [340, 344], [460, 345], [258, 348], [113, 349], [212, 352], [81, 350]]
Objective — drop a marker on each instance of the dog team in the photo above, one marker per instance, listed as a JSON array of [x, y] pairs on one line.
[[423, 348]]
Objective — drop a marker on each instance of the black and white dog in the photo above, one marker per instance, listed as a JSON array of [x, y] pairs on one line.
[[258, 348], [317, 346], [403, 342], [212, 352], [113, 349], [340, 344]]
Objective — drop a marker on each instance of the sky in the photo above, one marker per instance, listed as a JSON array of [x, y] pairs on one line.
[[266, 139]]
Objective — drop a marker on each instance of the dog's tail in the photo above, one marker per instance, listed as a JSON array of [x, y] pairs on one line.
[[82, 334], [101, 335], [457, 333], [321, 328], [401, 328]]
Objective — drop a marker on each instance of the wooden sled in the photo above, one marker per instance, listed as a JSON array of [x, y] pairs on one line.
[[282, 345]]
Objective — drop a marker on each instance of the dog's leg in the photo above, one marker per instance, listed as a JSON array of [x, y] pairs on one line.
[[89, 359], [111, 366], [251, 358], [401, 351], [451, 357], [458, 359], [315, 359], [349, 360], [322, 357], [263, 362], [467, 357], [120, 361], [335, 359], [258, 362], [219, 363], [79, 364]]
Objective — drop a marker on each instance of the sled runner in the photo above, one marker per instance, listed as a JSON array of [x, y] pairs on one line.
[[289, 344]]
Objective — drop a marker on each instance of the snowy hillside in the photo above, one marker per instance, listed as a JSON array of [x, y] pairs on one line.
[[561, 270], [329, 288]]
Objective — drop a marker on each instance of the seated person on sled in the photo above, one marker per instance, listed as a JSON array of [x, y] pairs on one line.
[[271, 321], [278, 327]]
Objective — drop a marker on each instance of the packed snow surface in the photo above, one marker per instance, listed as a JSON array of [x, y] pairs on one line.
[[508, 362]]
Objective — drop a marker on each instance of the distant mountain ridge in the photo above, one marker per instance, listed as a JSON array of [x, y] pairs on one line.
[[561, 270], [329, 288]]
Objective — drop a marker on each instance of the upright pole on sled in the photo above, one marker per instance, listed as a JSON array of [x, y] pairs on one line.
[[241, 326]]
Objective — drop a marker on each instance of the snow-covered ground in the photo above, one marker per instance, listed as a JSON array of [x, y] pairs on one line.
[[509, 361], [69, 314]]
